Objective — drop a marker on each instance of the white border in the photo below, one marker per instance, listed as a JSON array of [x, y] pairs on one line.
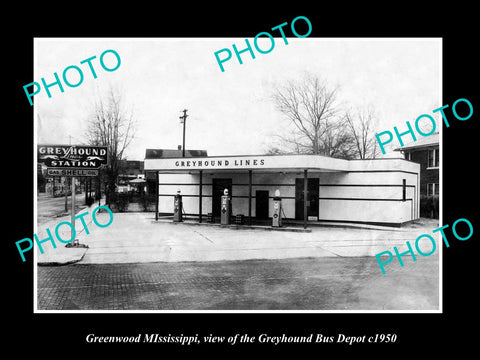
[[440, 310], [35, 217]]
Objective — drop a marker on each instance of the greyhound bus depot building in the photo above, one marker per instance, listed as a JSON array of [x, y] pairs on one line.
[[313, 188]]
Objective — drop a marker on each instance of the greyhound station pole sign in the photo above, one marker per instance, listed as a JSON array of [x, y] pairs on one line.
[[72, 160]]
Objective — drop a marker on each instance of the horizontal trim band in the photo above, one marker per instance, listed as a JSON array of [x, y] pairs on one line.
[[234, 196], [277, 185], [367, 185], [364, 199], [289, 197], [365, 222], [294, 221], [387, 171], [264, 170]]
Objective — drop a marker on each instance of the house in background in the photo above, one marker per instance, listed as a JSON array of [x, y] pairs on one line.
[[128, 171], [426, 152], [150, 176]]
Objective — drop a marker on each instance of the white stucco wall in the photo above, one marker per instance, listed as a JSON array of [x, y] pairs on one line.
[[378, 183]]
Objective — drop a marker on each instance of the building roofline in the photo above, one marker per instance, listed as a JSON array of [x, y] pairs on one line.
[[430, 141], [271, 155], [271, 162]]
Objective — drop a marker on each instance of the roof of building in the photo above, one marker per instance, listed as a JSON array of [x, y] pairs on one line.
[[275, 163], [169, 153], [423, 142], [133, 164], [128, 168]]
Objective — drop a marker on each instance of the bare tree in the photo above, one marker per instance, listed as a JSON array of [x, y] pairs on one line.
[[361, 126], [426, 125], [310, 106], [111, 125]]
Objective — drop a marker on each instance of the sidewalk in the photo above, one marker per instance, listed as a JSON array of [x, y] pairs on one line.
[[62, 255], [138, 238]]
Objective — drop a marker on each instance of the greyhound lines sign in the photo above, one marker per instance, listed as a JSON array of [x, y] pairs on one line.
[[72, 160]]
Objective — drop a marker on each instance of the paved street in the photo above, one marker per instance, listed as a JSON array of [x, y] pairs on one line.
[[49, 207], [327, 283]]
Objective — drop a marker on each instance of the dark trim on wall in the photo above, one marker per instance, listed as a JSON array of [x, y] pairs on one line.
[[386, 171], [185, 195], [413, 201], [277, 185], [366, 185], [293, 197], [316, 223], [364, 199], [365, 222]]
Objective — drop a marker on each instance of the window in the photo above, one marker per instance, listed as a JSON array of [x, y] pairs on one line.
[[433, 189], [433, 158]]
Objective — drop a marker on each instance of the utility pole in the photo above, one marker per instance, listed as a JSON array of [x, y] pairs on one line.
[[183, 119]]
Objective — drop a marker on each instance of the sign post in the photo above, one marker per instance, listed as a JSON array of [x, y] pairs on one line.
[[73, 209], [72, 161]]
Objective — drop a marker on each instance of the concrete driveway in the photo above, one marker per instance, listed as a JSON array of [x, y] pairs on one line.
[[137, 238]]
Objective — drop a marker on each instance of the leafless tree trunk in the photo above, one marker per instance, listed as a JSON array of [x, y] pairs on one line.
[[310, 106], [111, 125], [361, 126]]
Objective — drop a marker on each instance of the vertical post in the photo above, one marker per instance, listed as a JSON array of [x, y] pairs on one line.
[[99, 190], [73, 206], [418, 196], [86, 189], [156, 195], [200, 186], [66, 182], [249, 197], [404, 190], [99, 187], [305, 193], [184, 125], [65, 188], [184, 118], [318, 197]]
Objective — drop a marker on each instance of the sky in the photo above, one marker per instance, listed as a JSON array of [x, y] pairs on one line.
[[231, 112]]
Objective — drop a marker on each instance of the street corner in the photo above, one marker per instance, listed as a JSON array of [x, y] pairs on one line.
[[51, 253], [62, 255], [71, 236]]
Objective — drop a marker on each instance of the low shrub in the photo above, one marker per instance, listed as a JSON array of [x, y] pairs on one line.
[[429, 206]]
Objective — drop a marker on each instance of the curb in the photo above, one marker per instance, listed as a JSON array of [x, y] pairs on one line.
[[80, 231], [61, 263]]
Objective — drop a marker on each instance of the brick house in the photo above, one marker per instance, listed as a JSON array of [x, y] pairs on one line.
[[426, 152]]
